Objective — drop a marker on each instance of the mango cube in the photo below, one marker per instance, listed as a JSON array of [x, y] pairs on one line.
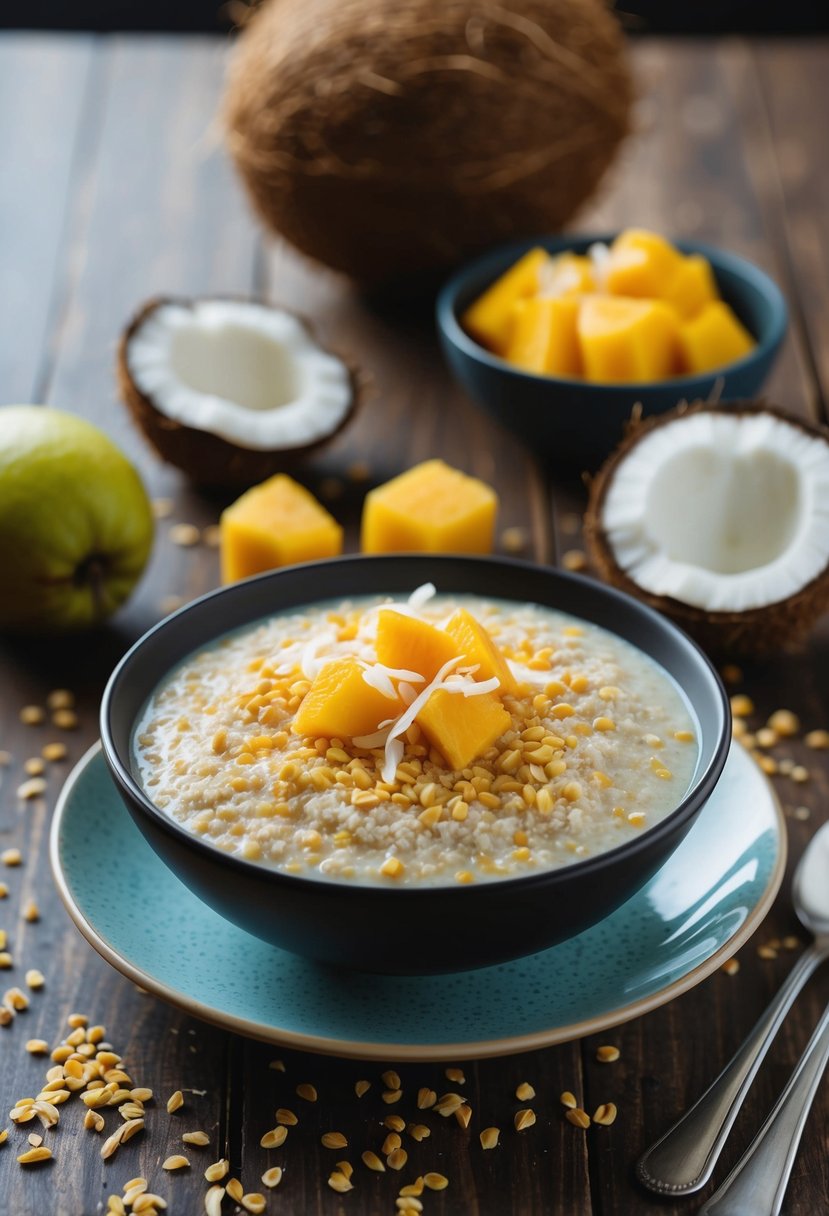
[[477, 647], [489, 320], [340, 704], [544, 338], [626, 340], [462, 728], [273, 524], [432, 508], [712, 339], [409, 643], [692, 287], [641, 264]]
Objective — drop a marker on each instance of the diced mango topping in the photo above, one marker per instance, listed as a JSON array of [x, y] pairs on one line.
[[612, 316], [627, 340], [274, 524], [340, 704], [412, 644], [432, 508], [489, 320], [713, 338], [462, 728], [477, 647]]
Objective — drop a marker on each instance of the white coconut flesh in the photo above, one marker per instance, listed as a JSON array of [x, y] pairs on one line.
[[723, 512], [251, 374]]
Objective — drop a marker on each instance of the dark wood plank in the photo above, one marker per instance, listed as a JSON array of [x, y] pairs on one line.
[[793, 98], [705, 165], [148, 212], [43, 90]]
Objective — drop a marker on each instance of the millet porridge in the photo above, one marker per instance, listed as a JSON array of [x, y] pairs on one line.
[[584, 742]]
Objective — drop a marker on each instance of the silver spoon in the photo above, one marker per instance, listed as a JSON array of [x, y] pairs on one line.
[[758, 1182], [683, 1159]]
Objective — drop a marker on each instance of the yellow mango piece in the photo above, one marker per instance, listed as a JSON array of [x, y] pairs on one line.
[[712, 339], [475, 644], [339, 704], [641, 264], [692, 287], [489, 319], [462, 728], [567, 273], [627, 341], [432, 508], [273, 524], [544, 338], [405, 641]]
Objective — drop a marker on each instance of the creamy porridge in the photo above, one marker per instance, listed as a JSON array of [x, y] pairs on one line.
[[429, 741]]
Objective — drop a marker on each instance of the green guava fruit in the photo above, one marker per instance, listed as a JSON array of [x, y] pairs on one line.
[[76, 527]]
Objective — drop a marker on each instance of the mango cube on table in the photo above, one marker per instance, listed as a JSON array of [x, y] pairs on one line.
[[489, 320], [432, 508], [627, 340], [274, 524], [712, 339]]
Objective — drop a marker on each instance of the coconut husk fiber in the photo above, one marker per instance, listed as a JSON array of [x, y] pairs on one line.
[[387, 138]]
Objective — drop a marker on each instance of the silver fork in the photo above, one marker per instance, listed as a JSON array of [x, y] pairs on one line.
[[758, 1181]]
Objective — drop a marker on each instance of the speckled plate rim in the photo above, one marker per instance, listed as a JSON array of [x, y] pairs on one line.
[[420, 1052]]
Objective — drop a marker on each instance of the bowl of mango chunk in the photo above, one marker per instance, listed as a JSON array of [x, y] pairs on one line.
[[564, 339]]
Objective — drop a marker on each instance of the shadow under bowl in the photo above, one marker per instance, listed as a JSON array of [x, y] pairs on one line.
[[427, 929], [574, 422]]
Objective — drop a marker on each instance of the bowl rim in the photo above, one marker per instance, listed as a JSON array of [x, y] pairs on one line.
[[131, 790], [752, 274]]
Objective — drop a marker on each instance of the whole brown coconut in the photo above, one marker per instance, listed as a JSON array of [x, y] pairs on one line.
[[778, 625], [396, 137]]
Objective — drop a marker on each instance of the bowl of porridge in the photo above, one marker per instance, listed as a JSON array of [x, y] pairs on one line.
[[414, 764]]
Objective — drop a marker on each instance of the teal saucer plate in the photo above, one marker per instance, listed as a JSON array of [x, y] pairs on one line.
[[697, 911]]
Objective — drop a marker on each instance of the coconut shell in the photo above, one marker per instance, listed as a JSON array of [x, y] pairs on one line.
[[208, 459], [390, 138], [752, 634]]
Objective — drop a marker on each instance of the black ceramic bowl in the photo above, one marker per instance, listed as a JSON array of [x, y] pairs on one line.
[[411, 930], [577, 423]]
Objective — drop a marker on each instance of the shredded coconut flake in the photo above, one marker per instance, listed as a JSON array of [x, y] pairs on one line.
[[378, 739], [394, 754], [312, 662], [421, 595], [472, 688], [376, 677]]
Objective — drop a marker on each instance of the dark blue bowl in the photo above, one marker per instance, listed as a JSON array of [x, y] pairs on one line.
[[411, 930], [578, 423]]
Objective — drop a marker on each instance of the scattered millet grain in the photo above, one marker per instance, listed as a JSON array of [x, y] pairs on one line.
[[524, 1118], [607, 1054], [184, 535]]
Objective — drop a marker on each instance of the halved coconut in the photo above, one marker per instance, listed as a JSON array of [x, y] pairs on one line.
[[231, 391], [719, 517]]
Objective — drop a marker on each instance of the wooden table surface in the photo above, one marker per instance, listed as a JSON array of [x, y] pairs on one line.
[[113, 187]]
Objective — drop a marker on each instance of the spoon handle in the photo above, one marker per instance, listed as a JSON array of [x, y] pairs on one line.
[[683, 1159], [758, 1182]]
